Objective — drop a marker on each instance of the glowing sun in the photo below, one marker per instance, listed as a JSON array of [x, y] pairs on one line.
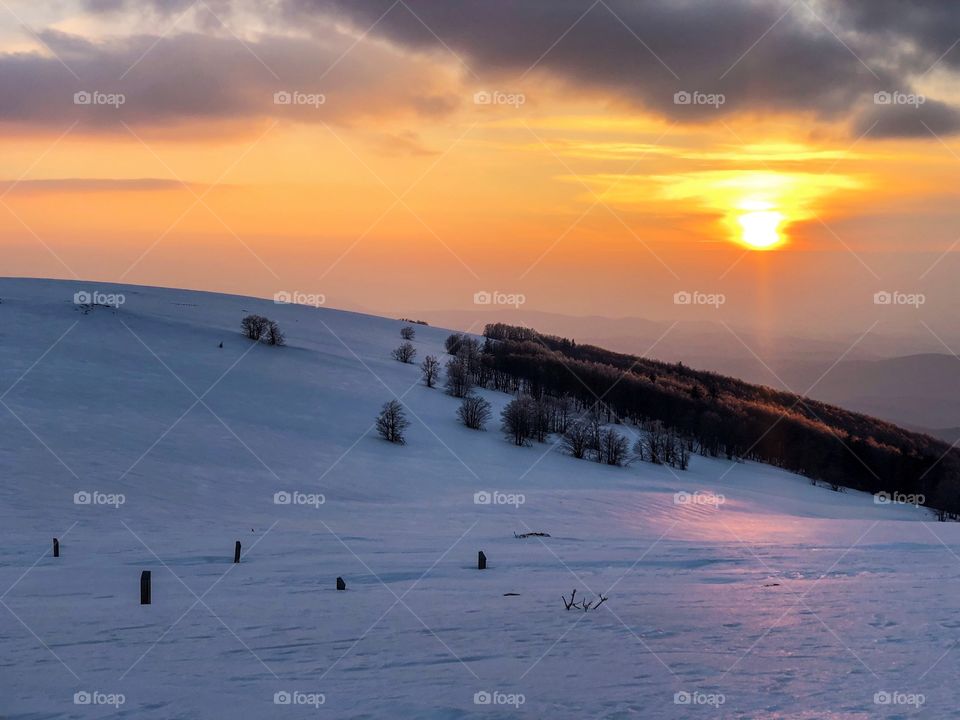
[[760, 229]]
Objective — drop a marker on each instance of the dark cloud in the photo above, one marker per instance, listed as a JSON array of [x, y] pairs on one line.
[[824, 58], [191, 77]]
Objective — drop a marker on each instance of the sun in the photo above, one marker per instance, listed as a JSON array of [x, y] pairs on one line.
[[760, 229]]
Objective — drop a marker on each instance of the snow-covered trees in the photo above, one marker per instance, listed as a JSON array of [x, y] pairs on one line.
[[254, 326], [405, 353], [258, 327], [407, 332], [392, 422], [459, 381], [576, 440], [474, 412], [430, 368], [519, 419]]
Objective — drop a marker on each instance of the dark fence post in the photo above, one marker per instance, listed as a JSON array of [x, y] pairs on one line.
[[341, 585], [481, 561], [145, 587], [56, 548], [236, 552]]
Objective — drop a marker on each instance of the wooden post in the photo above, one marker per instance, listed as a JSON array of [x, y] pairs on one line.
[[481, 561], [341, 585], [56, 548], [236, 552], [145, 587]]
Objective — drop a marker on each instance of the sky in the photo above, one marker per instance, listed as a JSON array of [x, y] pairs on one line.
[[772, 164]]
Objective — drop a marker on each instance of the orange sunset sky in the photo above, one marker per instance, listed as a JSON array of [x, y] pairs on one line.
[[433, 150]]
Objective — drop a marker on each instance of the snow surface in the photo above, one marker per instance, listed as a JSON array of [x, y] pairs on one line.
[[784, 601]]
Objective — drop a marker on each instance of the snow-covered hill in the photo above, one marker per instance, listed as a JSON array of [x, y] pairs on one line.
[[784, 600]]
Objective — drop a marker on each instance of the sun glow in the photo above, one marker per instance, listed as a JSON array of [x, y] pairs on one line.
[[760, 225]]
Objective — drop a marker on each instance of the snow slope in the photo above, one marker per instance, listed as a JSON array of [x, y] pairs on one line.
[[784, 601]]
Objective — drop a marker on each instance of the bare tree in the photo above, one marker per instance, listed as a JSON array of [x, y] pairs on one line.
[[576, 440], [519, 419], [407, 332], [254, 326], [459, 381], [405, 353], [392, 422], [430, 367], [613, 447], [274, 335], [474, 412]]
